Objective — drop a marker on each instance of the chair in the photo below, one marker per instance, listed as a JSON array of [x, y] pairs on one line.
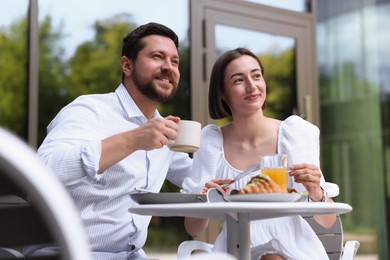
[[205, 252], [48, 216], [10, 253], [331, 238]]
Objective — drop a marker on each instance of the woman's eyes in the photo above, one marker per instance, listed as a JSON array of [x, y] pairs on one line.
[[255, 77]]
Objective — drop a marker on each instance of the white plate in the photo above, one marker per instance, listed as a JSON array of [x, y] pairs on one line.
[[267, 197], [167, 197]]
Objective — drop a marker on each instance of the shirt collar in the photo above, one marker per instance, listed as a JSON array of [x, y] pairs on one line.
[[129, 106]]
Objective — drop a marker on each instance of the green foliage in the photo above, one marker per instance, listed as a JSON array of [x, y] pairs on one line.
[[281, 84], [13, 67], [343, 85], [95, 67], [13, 81], [165, 234], [352, 142], [52, 74]]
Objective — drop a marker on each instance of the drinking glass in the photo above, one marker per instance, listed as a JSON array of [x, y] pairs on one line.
[[275, 167]]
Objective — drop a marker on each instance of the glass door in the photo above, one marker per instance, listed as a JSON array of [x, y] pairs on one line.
[[283, 39]]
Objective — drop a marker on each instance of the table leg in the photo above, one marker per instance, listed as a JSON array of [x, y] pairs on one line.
[[238, 236]]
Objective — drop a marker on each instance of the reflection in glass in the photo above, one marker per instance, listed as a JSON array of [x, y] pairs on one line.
[[354, 69], [277, 53], [13, 77]]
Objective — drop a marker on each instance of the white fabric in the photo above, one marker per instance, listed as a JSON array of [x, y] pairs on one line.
[[295, 239], [209, 256], [72, 150]]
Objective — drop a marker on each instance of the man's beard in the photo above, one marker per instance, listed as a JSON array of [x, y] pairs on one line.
[[150, 90]]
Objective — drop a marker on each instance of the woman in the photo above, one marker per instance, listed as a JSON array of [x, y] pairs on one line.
[[238, 90]]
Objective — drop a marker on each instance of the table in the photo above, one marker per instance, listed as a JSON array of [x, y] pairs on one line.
[[239, 214]]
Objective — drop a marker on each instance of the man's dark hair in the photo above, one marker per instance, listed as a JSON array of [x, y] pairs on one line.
[[133, 43]]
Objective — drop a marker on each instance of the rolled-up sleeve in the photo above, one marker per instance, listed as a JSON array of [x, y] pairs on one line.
[[72, 148]]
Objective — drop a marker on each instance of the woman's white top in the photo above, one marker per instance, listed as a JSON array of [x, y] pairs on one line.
[[290, 236]]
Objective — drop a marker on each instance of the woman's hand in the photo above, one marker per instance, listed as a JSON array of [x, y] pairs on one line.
[[309, 176], [216, 183], [194, 226]]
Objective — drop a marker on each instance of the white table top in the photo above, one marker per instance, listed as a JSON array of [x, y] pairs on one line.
[[239, 214], [255, 210]]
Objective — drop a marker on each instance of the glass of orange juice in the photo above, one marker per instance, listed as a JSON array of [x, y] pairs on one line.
[[275, 166]]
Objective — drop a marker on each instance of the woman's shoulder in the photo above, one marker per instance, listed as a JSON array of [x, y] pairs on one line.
[[211, 137], [297, 130], [297, 124], [299, 139], [211, 131]]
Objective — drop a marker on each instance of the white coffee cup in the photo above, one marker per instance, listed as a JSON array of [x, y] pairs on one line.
[[188, 137]]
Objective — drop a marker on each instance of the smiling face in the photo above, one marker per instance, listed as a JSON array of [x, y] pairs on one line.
[[155, 72], [244, 86]]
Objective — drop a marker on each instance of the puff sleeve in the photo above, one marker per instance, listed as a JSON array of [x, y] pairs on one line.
[[205, 160], [299, 139]]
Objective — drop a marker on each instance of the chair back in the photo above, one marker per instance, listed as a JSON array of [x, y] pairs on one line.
[[24, 175], [331, 238]]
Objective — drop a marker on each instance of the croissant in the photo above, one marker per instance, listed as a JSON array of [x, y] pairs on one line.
[[261, 184]]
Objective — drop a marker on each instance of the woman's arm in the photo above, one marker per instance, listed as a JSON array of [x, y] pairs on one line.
[[310, 177], [195, 226], [326, 220]]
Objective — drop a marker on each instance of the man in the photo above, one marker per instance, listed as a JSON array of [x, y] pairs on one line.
[[103, 146]]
